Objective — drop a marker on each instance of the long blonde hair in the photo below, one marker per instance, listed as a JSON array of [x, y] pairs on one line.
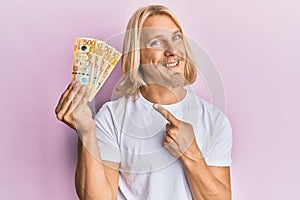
[[132, 78]]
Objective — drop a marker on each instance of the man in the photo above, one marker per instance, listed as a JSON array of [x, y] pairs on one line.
[[159, 141]]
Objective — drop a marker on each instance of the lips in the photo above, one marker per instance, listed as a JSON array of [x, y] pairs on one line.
[[172, 64]]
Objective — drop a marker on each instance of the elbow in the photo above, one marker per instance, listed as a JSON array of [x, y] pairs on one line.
[[228, 195], [81, 193]]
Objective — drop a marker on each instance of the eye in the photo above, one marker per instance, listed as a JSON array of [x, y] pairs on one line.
[[176, 37], [156, 43]]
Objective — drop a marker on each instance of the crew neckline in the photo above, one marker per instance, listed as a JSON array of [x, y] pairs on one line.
[[173, 106]]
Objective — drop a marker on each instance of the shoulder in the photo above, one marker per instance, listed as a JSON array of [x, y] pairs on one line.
[[212, 123], [208, 110], [111, 107], [214, 135], [115, 111]]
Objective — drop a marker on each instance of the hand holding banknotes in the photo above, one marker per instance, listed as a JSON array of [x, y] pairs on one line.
[[93, 61], [73, 109]]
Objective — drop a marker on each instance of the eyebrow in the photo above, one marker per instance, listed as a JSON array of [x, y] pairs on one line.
[[175, 32], [161, 36]]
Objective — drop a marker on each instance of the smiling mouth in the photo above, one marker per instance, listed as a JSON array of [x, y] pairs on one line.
[[172, 65]]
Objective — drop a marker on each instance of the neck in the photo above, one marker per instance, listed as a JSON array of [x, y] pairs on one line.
[[162, 95]]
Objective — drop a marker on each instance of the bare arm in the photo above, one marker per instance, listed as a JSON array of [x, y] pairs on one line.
[[207, 182], [94, 178]]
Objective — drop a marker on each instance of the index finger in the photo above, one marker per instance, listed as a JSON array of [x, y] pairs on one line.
[[166, 114]]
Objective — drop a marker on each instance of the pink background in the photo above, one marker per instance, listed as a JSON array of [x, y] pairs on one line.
[[255, 45]]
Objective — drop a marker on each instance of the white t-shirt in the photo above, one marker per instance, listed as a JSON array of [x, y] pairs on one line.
[[132, 133]]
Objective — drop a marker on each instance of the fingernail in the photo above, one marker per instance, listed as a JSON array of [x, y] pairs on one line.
[[155, 106], [77, 83], [83, 88]]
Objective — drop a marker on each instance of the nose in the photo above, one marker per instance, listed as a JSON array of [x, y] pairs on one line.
[[170, 50]]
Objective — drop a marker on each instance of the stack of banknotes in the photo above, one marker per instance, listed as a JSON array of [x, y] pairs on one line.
[[93, 61]]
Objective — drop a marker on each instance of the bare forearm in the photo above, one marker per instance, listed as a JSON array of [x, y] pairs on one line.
[[90, 179], [203, 184]]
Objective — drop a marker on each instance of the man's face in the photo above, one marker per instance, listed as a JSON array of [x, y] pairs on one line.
[[162, 51]]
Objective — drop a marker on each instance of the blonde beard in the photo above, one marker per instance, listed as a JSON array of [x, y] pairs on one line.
[[172, 80]]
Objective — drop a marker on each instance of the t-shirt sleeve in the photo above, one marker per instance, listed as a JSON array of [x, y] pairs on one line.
[[107, 135], [220, 152]]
